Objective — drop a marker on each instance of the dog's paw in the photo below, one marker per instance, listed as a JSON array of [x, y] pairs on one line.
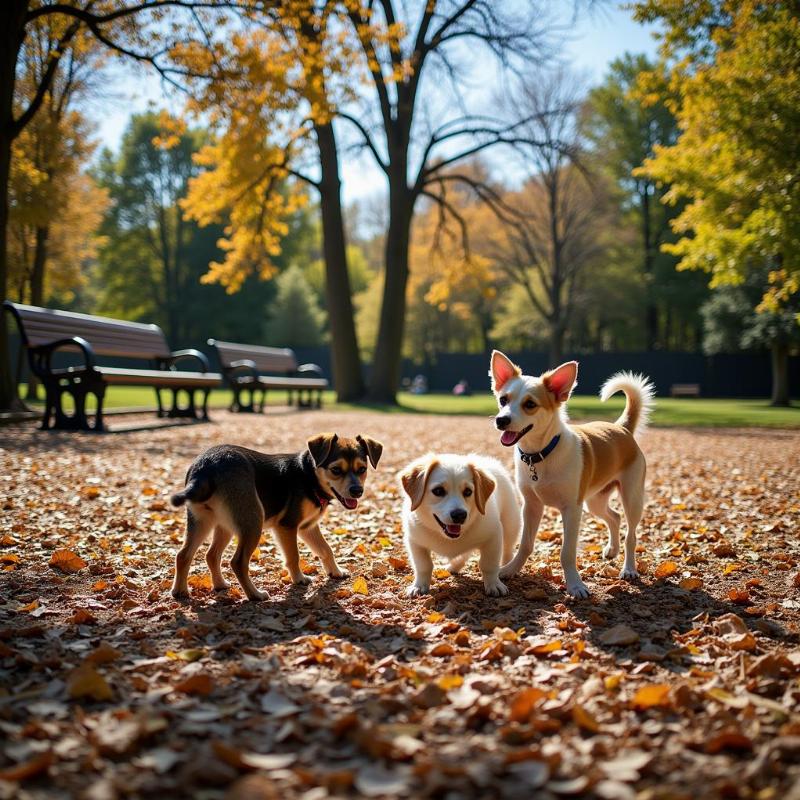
[[301, 580], [180, 594], [223, 586], [496, 589], [610, 552], [508, 570], [257, 597], [629, 574], [417, 590], [578, 590], [338, 573]]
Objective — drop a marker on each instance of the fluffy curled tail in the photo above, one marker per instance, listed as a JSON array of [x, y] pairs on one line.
[[197, 490], [640, 398]]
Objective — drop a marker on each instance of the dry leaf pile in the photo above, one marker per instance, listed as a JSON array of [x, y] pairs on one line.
[[686, 685]]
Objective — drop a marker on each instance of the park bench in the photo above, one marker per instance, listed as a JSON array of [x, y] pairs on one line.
[[251, 368], [684, 390], [46, 332]]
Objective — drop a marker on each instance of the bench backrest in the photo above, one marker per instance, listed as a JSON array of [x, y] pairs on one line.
[[108, 337], [266, 359]]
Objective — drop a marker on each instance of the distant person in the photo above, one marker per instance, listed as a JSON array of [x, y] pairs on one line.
[[419, 385], [461, 389]]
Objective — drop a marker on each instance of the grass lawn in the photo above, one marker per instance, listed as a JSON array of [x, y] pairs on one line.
[[702, 412]]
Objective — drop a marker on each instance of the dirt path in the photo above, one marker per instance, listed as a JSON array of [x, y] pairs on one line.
[[683, 686]]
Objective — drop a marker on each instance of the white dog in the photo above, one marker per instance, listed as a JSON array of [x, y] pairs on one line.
[[457, 504], [562, 465]]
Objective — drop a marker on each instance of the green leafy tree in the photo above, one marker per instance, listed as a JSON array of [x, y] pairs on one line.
[[734, 86], [731, 323], [295, 320]]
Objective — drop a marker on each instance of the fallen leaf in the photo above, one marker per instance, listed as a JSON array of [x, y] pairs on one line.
[[729, 740], [619, 635], [28, 769], [360, 585], [86, 682], [584, 720], [665, 569], [104, 653], [448, 682], [82, 616], [524, 702], [654, 695], [690, 584], [190, 654], [199, 684], [442, 650], [67, 561]]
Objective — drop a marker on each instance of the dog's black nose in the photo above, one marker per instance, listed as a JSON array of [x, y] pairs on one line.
[[356, 490], [502, 422], [458, 516]]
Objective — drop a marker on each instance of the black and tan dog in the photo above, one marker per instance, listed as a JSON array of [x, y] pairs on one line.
[[236, 491]]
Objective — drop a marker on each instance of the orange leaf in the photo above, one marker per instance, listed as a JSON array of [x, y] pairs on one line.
[[523, 704], [360, 585], [200, 684], [28, 769], [739, 596], [32, 606], [544, 649], [691, 584], [201, 581], [86, 681], [98, 586], [399, 564], [652, 696], [67, 561], [9, 558], [584, 720], [448, 682], [665, 569], [443, 650], [82, 617]]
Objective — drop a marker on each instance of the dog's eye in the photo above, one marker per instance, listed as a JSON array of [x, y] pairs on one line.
[[439, 491], [361, 470], [467, 492], [336, 471], [529, 404], [503, 400]]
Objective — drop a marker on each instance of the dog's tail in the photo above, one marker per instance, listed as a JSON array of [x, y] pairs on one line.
[[198, 490], [640, 398]]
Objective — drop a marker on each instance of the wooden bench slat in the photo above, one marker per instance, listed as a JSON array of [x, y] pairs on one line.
[[277, 359], [162, 377], [277, 382]]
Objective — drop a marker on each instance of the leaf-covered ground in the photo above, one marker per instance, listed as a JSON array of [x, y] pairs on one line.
[[683, 686]]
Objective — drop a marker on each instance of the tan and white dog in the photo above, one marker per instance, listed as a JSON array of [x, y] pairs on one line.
[[454, 506], [564, 466]]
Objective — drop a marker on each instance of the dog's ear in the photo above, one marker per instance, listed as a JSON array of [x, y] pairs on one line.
[[320, 447], [502, 370], [484, 486], [373, 449], [415, 479], [561, 380]]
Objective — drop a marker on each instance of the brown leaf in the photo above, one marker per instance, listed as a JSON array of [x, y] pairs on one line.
[[729, 740], [86, 682], [28, 769], [690, 584], [442, 650], [620, 635], [67, 561], [104, 653], [82, 616], [199, 684]]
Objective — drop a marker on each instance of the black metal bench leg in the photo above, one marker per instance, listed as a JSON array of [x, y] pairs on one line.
[[263, 401], [160, 413], [99, 424], [206, 393]]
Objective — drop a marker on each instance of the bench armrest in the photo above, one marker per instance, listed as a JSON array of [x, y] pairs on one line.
[[316, 369], [177, 355], [241, 367], [41, 356]]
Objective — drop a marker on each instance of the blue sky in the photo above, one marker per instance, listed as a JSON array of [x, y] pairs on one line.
[[595, 39]]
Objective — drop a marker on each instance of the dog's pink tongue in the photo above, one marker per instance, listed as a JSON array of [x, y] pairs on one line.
[[508, 438], [454, 529], [351, 502]]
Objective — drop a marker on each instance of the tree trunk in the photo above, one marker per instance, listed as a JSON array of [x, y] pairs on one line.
[[780, 374], [651, 312], [347, 376], [385, 375], [556, 350], [12, 22], [37, 291]]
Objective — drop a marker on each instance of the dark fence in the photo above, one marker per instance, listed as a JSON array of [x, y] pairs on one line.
[[725, 375]]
